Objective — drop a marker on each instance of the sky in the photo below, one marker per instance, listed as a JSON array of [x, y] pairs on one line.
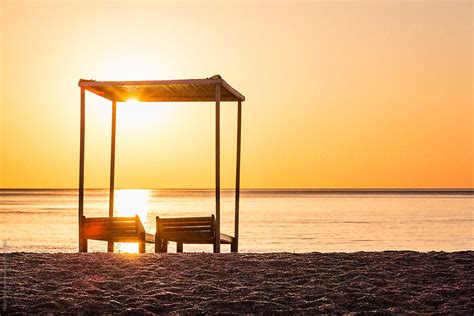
[[339, 94]]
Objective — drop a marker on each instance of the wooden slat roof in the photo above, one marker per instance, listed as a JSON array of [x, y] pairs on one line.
[[197, 90]]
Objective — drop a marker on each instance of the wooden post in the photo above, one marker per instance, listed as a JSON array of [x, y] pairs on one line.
[[235, 245], [82, 243], [141, 243], [110, 244], [112, 160], [157, 238], [84, 240], [217, 239], [179, 247]]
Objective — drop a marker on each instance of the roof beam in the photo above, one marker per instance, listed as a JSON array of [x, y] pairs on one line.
[[93, 83]]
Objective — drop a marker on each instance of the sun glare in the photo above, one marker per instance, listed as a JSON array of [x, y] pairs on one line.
[[141, 118], [131, 203], [132, 102]]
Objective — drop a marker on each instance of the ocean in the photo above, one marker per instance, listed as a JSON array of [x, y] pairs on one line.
[[270, 221]]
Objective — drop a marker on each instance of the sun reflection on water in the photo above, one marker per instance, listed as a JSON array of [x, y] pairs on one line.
[[131, 203], [126, 247]]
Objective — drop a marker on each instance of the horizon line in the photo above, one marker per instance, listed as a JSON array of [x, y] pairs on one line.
[[276, 189]]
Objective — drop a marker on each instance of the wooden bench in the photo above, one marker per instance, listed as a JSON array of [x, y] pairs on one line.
[[115, 229], [187, 230]]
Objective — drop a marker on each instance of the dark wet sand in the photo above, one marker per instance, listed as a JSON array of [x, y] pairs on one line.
[[385, 282]]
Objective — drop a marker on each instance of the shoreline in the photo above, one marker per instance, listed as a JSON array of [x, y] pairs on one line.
[[361, 282]]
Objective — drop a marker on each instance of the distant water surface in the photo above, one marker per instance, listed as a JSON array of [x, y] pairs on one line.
[[271, 221]]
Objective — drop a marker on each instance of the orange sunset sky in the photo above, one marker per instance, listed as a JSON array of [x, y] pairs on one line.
[[339, 93]]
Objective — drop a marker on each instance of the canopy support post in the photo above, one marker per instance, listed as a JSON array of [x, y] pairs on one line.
[[235, 244], [110, 243], [82, 241], [217, 237]]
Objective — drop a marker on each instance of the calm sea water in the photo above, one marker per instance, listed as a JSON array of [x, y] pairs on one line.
[[271, 221]]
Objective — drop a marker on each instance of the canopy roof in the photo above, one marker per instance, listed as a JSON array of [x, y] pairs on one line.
[[198, 90]]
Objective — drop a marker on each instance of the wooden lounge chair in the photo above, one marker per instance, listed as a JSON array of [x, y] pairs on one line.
[[188, 230], [115, 229]]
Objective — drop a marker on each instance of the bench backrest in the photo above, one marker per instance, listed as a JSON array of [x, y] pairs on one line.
[[185, 228], [104, 227]]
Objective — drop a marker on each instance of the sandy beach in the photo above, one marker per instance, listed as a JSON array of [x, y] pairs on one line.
[[385, 282]]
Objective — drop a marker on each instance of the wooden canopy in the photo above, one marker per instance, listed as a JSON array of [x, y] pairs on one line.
[[213, 89], [186, 90]]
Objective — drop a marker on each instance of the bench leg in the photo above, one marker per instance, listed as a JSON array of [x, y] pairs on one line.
[[141, 247], [141, 243], [158, 242], [110, 246], [161, 245], [179, 247], [234, 246], [215, 249], [83, 245]]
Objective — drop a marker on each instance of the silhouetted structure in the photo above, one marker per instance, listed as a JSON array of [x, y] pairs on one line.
[[181, 230]]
